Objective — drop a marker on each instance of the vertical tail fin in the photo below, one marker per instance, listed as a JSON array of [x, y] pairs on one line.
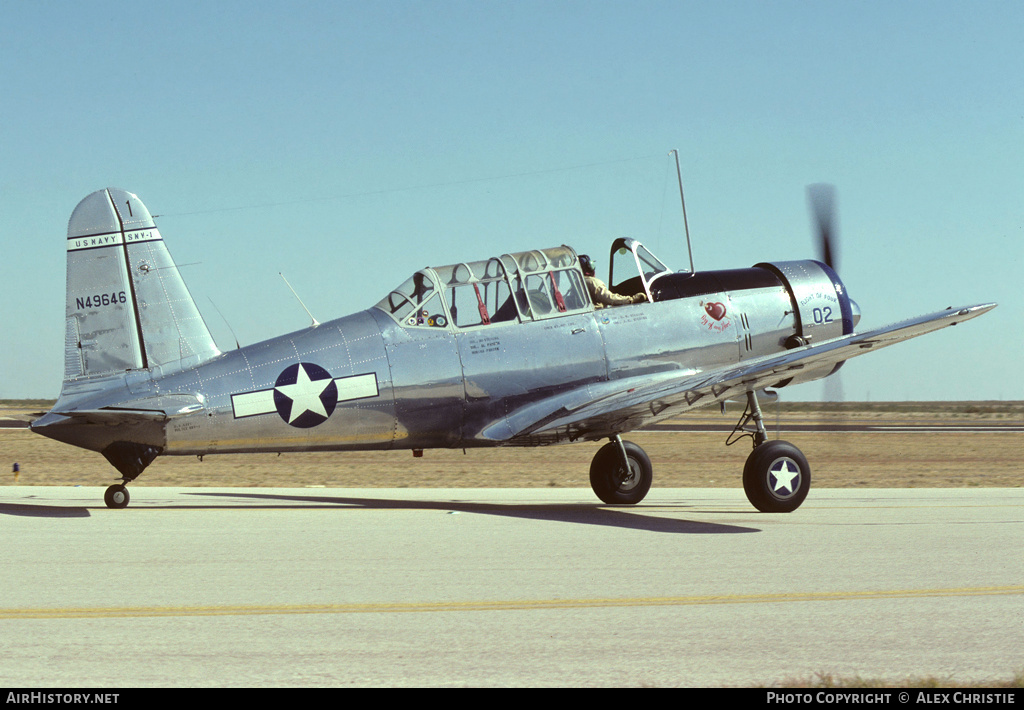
[[127, 306]]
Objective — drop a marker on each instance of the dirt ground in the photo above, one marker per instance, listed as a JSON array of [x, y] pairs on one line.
[[838, 460]]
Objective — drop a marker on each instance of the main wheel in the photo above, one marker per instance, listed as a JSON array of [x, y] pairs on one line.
[[612, 483], [776, 477], [116, 496]]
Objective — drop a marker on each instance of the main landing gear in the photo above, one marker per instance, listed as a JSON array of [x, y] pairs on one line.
[[776, 477], [621, 472]]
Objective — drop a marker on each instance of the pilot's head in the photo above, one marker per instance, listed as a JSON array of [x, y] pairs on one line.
[[587, 265]]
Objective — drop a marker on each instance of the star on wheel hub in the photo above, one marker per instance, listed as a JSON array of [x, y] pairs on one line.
[[781, 477]]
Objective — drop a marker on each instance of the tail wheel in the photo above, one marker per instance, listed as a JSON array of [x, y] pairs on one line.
[[776, 477], [611, 481], [116, 496]]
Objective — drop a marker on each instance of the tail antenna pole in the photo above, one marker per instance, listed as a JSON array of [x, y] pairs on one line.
[[682, 200], [315, 321]]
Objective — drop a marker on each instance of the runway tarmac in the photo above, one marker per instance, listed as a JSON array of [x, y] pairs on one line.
[[499, 587]]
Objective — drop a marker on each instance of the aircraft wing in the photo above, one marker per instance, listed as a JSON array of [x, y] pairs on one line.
[[600, 410]]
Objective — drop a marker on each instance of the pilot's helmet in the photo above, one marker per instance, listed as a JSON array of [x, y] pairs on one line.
[[587, 264]]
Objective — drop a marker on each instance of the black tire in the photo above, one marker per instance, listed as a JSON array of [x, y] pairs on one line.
[[765, 490], [609, 480], [116, 496]]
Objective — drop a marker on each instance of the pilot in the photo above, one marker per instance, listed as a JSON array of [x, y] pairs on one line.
[[599, 292]]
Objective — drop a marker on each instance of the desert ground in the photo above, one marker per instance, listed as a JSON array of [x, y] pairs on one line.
[[838, 459]]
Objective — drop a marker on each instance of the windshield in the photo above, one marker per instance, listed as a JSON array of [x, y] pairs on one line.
[[629, 258], [649, 263]]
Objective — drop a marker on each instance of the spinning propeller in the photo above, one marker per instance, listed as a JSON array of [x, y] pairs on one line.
[[823, 205], [822, 198]]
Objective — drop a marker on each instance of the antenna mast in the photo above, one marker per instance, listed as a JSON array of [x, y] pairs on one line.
[[315, 321], [682, 199]]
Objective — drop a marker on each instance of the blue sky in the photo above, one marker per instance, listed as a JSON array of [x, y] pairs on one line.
[[347, 144]]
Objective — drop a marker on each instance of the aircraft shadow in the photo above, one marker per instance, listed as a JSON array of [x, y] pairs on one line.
[[579, 513], [29, 510]]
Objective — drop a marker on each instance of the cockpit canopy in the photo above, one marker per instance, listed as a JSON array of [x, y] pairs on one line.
[[529, 285]]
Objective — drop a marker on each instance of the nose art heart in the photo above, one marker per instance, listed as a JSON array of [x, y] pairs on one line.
[[715, 310]]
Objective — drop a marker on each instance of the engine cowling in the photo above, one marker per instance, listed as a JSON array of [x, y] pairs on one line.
[[823, 308]]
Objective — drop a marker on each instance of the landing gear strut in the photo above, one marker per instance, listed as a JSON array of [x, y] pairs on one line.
[[776, 477], [621, 472]]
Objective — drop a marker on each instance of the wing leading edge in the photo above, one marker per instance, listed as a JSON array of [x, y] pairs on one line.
[[596, 411]]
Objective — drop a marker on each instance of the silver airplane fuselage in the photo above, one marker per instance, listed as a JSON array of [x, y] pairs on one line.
[[367, 381]]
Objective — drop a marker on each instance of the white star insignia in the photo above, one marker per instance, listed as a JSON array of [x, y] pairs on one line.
[[784, 476], [305, 395]]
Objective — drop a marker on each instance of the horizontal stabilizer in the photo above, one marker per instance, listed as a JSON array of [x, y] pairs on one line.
[[143, 419], [112, 416], [157, 409]]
